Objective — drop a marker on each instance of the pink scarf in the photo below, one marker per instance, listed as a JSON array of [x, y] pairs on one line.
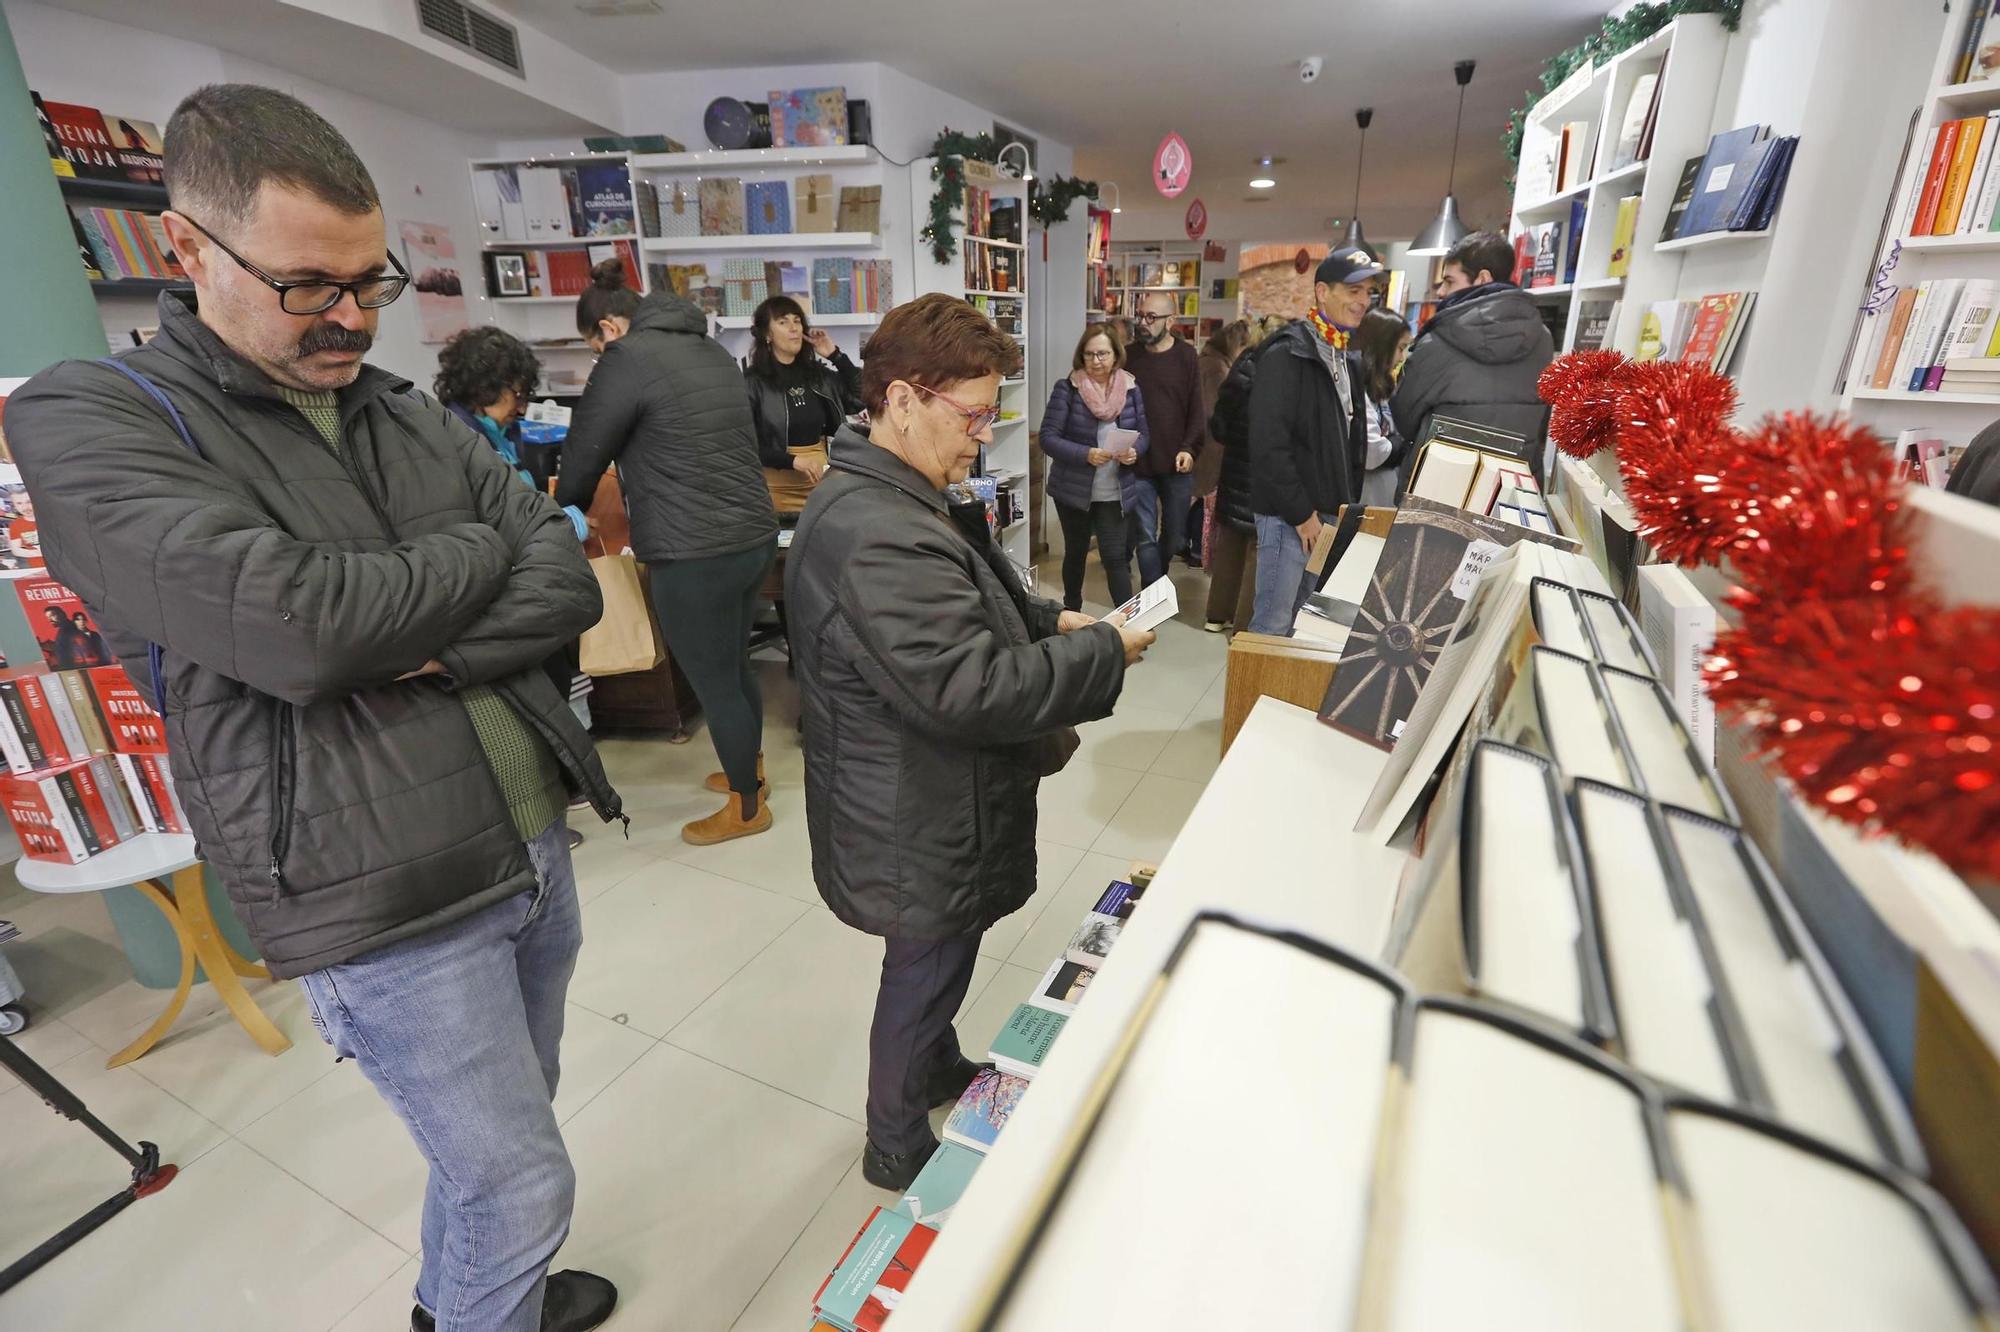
[[1107, 400]]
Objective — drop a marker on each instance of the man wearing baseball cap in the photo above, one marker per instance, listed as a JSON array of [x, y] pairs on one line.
[[1307, 434]]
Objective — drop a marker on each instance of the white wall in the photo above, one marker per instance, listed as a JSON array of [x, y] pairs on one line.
[[419, 167]]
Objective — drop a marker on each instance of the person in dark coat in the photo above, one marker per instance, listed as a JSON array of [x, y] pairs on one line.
[[1094, 486], [1307, 433], [667, 404], [1225, 545], [1479, 356], [1976, 475], [937, 694], [798, 397], [343, 599]]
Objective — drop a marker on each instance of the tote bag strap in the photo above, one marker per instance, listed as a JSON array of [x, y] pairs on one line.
[[158, 395]]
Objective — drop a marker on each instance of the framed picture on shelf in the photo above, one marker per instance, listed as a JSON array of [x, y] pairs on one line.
[[507, 273]]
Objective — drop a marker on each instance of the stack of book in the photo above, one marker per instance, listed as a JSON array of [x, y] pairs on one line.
[[124, 243], [85, 752], [527, 202], [1923, 459], [1939, 336], [1958, 191], [1735, 186], [1706, 331]]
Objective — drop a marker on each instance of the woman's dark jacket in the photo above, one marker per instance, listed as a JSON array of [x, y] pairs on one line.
[[931, 688]]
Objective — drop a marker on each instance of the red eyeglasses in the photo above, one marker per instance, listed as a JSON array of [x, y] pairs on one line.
[[977, 419]]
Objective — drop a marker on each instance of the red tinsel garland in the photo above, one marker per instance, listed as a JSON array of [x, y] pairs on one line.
[[1881, 705]]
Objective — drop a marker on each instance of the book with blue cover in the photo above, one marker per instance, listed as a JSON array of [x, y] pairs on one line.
[[1755, 170], [1573, 239], [942, 1182], [767, 207], [603, 200], [1723, 180], [1024, 1042], [1118, 900]]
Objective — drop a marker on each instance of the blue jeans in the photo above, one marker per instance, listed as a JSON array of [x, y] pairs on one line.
[[1161, 513], [459, 1029], [1282, 580]]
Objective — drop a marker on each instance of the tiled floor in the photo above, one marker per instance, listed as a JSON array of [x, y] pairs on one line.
[[713, 1067]]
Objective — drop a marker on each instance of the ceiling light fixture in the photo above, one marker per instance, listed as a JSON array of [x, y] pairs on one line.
[[1263, 180], [1354, 238], [1445, 229]]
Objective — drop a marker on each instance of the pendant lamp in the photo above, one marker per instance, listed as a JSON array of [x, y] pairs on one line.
[[1445, 229], [1354, 238]]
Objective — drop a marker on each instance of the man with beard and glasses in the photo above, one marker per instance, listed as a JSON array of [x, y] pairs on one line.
[[342, 599]]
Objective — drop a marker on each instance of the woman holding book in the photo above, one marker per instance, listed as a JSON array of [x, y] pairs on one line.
[[1093, 432], [1381, 343], [936, 694], [802, 386]]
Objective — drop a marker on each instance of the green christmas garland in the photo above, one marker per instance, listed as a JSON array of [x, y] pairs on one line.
[[1048, 200], [1622, 33]]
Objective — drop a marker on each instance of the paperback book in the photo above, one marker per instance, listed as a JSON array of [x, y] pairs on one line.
[[1062, 986], [872, 1279], [983, 1110], [1024, 1042], [940, 1184], [1093, 940]]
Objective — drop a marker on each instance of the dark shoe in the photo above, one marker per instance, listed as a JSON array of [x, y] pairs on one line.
[[577, 1301], [575, 838], [571, 1302], [950, 1082], [894, 1173]]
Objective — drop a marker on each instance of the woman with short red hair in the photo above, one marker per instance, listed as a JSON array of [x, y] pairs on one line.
[[936, 695]]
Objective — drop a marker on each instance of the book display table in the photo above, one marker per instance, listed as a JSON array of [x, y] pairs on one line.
[[162, 868]]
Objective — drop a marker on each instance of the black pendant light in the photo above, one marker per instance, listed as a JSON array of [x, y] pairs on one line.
[[1445, 229], [1354, 238]]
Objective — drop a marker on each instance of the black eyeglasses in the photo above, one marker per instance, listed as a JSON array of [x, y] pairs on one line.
[[1151, 318], [311, 298]]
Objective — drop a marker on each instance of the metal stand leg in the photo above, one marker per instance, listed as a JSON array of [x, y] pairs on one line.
[[148, 1175]]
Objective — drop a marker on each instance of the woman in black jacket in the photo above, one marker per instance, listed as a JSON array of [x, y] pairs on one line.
[[937, 694], [798, 398], [666, 404]]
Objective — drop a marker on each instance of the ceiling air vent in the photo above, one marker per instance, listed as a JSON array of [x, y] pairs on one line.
[[472, 30]]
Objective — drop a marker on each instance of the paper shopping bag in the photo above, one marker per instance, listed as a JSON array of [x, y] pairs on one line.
[[624, 640]]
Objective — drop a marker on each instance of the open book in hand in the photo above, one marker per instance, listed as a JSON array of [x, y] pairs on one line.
[[1154, 606]]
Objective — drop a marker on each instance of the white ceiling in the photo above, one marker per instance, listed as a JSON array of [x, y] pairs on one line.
[[1112, 77]]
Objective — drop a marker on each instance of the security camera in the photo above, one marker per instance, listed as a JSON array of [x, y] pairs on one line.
[[1309, 68]]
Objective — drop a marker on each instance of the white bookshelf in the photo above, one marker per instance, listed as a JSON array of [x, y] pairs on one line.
[[846, 164], [1708, 238], [1691, 50], [545, 322], [1909, 260], [1008, 454], [1126, 296]]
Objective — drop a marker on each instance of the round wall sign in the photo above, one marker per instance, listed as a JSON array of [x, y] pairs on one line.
[[1197, 219], [1172, 165], [1302, 260]]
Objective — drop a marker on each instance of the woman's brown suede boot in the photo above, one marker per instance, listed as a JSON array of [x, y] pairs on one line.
[[727, 823]]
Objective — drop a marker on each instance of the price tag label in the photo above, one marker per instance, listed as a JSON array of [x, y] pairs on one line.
[[1478, 556]]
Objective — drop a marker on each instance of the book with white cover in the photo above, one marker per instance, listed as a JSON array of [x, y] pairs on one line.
[[1153, 606], [1519, 1193], [1972, 324], [1910, 354], [1658, 750], [1558, 619], [1556, 707], [1855, 1249], [1243, 1002], [1674, 1021], [1819, 1075], [1615, 637], [1528, 944], [1679, 624], [1633, 127]]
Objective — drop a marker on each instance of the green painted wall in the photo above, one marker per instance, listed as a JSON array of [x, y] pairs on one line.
[[47, 310]]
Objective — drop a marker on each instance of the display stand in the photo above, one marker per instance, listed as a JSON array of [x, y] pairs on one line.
[[162, 867]]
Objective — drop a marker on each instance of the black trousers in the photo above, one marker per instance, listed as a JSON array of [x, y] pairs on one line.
[[923, 983], [706, 608], [1106, 520]]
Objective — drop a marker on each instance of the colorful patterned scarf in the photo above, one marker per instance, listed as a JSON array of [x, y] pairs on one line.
[[1332, 334]]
